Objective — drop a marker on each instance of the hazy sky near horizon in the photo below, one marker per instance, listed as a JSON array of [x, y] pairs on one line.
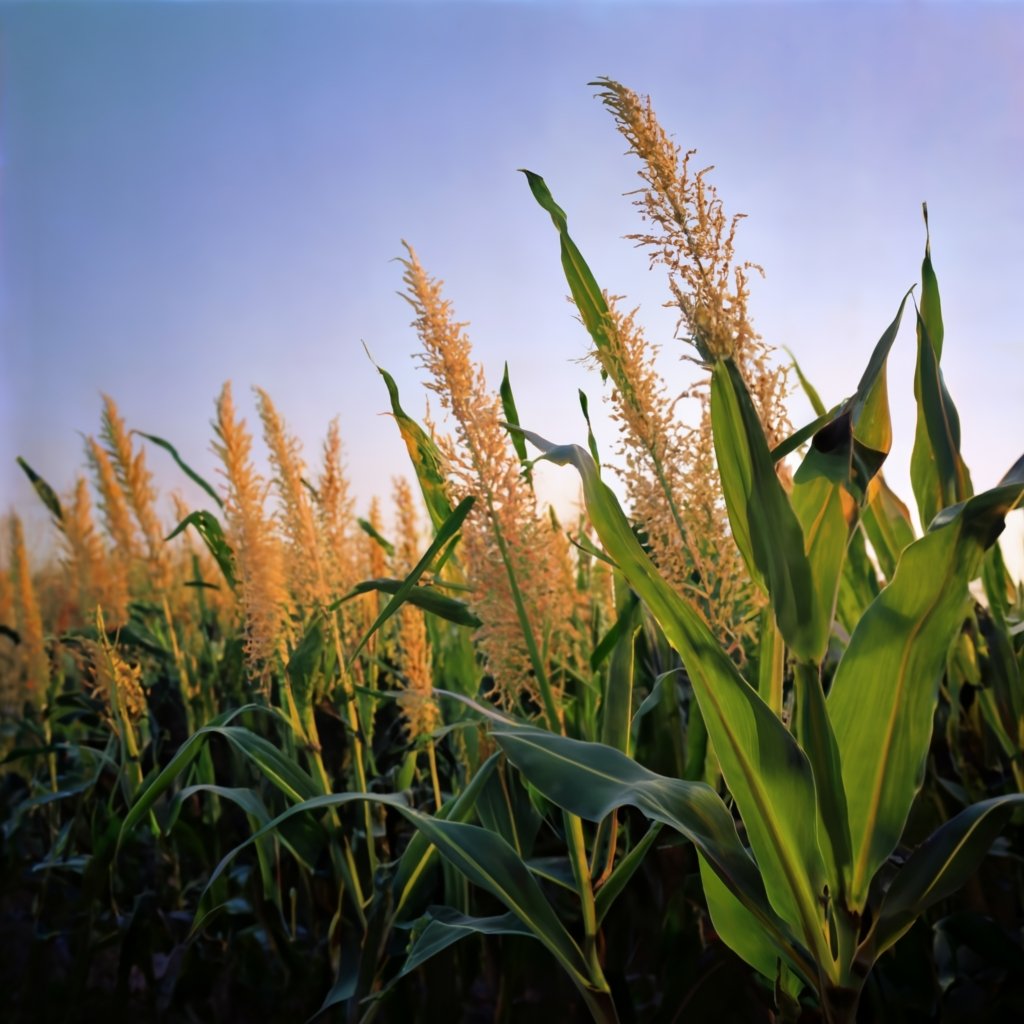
[[195, 192]]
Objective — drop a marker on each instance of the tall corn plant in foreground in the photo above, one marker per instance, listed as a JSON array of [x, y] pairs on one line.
[[823, 800]]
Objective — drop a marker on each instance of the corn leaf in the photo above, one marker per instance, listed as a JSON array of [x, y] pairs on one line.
[[940, 866], [764, 768], [764, 525], [831, 482], [184, 466], [209, 529], [884, 693], [281, 771], [445, 533], [508, 405], [740, 929], [484, 858], [887, 524], [46, 493], [445, 926], [938, 474], [592, 780], [420, 854], [430, 599], [426, 458]]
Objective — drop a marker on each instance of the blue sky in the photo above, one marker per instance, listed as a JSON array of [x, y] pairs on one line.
[[194, 192]]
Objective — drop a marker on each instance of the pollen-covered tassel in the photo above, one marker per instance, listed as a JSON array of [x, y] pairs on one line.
[[86, 560], [690, 234], [258, 553], [136, 483], [35, 662], [518, 591], [117, 522], [306, 568]]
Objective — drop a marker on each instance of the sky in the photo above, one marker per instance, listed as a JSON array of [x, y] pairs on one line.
[[195, 192]]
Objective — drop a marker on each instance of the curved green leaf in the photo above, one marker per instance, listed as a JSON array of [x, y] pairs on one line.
[[592, 780], [739, 930], [483, 857], [938, 474], [46, 493], [885, 689], [426, 458], [209, 529], [429, 598], [446, 532], [763, 766], [939, 866], [445, 926], [184, 466], [765, 528]]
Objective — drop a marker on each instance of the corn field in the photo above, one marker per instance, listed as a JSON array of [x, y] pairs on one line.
[[741, 742]]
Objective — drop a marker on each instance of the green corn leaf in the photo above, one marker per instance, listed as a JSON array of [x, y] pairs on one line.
[[621, 628], [938, 867], [425, 456], [764, 768], [808, 388], [184, 466], [740, 930], [999, 586], [420, 854], [814, 731], [586, 293], [617, 706], [484, 858], [859, 584], [805, 433], [764, 525], [623, 872], [591, 780], [209, 529], [376, 536], [445, 533], [249, 801], [508, 404], [887, 524], [938, 474], [46, 493], [833, 477], [444, 926], [430, 599], [885, 690], [282, 772]]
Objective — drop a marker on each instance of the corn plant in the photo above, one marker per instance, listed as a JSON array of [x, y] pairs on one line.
[[823, 801]]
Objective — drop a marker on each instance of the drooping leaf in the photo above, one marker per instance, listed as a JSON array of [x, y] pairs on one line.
[[429, 598], [446, 532], [184, 466], [763, 766], [483, 857], [444, 926], [591, 780]]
